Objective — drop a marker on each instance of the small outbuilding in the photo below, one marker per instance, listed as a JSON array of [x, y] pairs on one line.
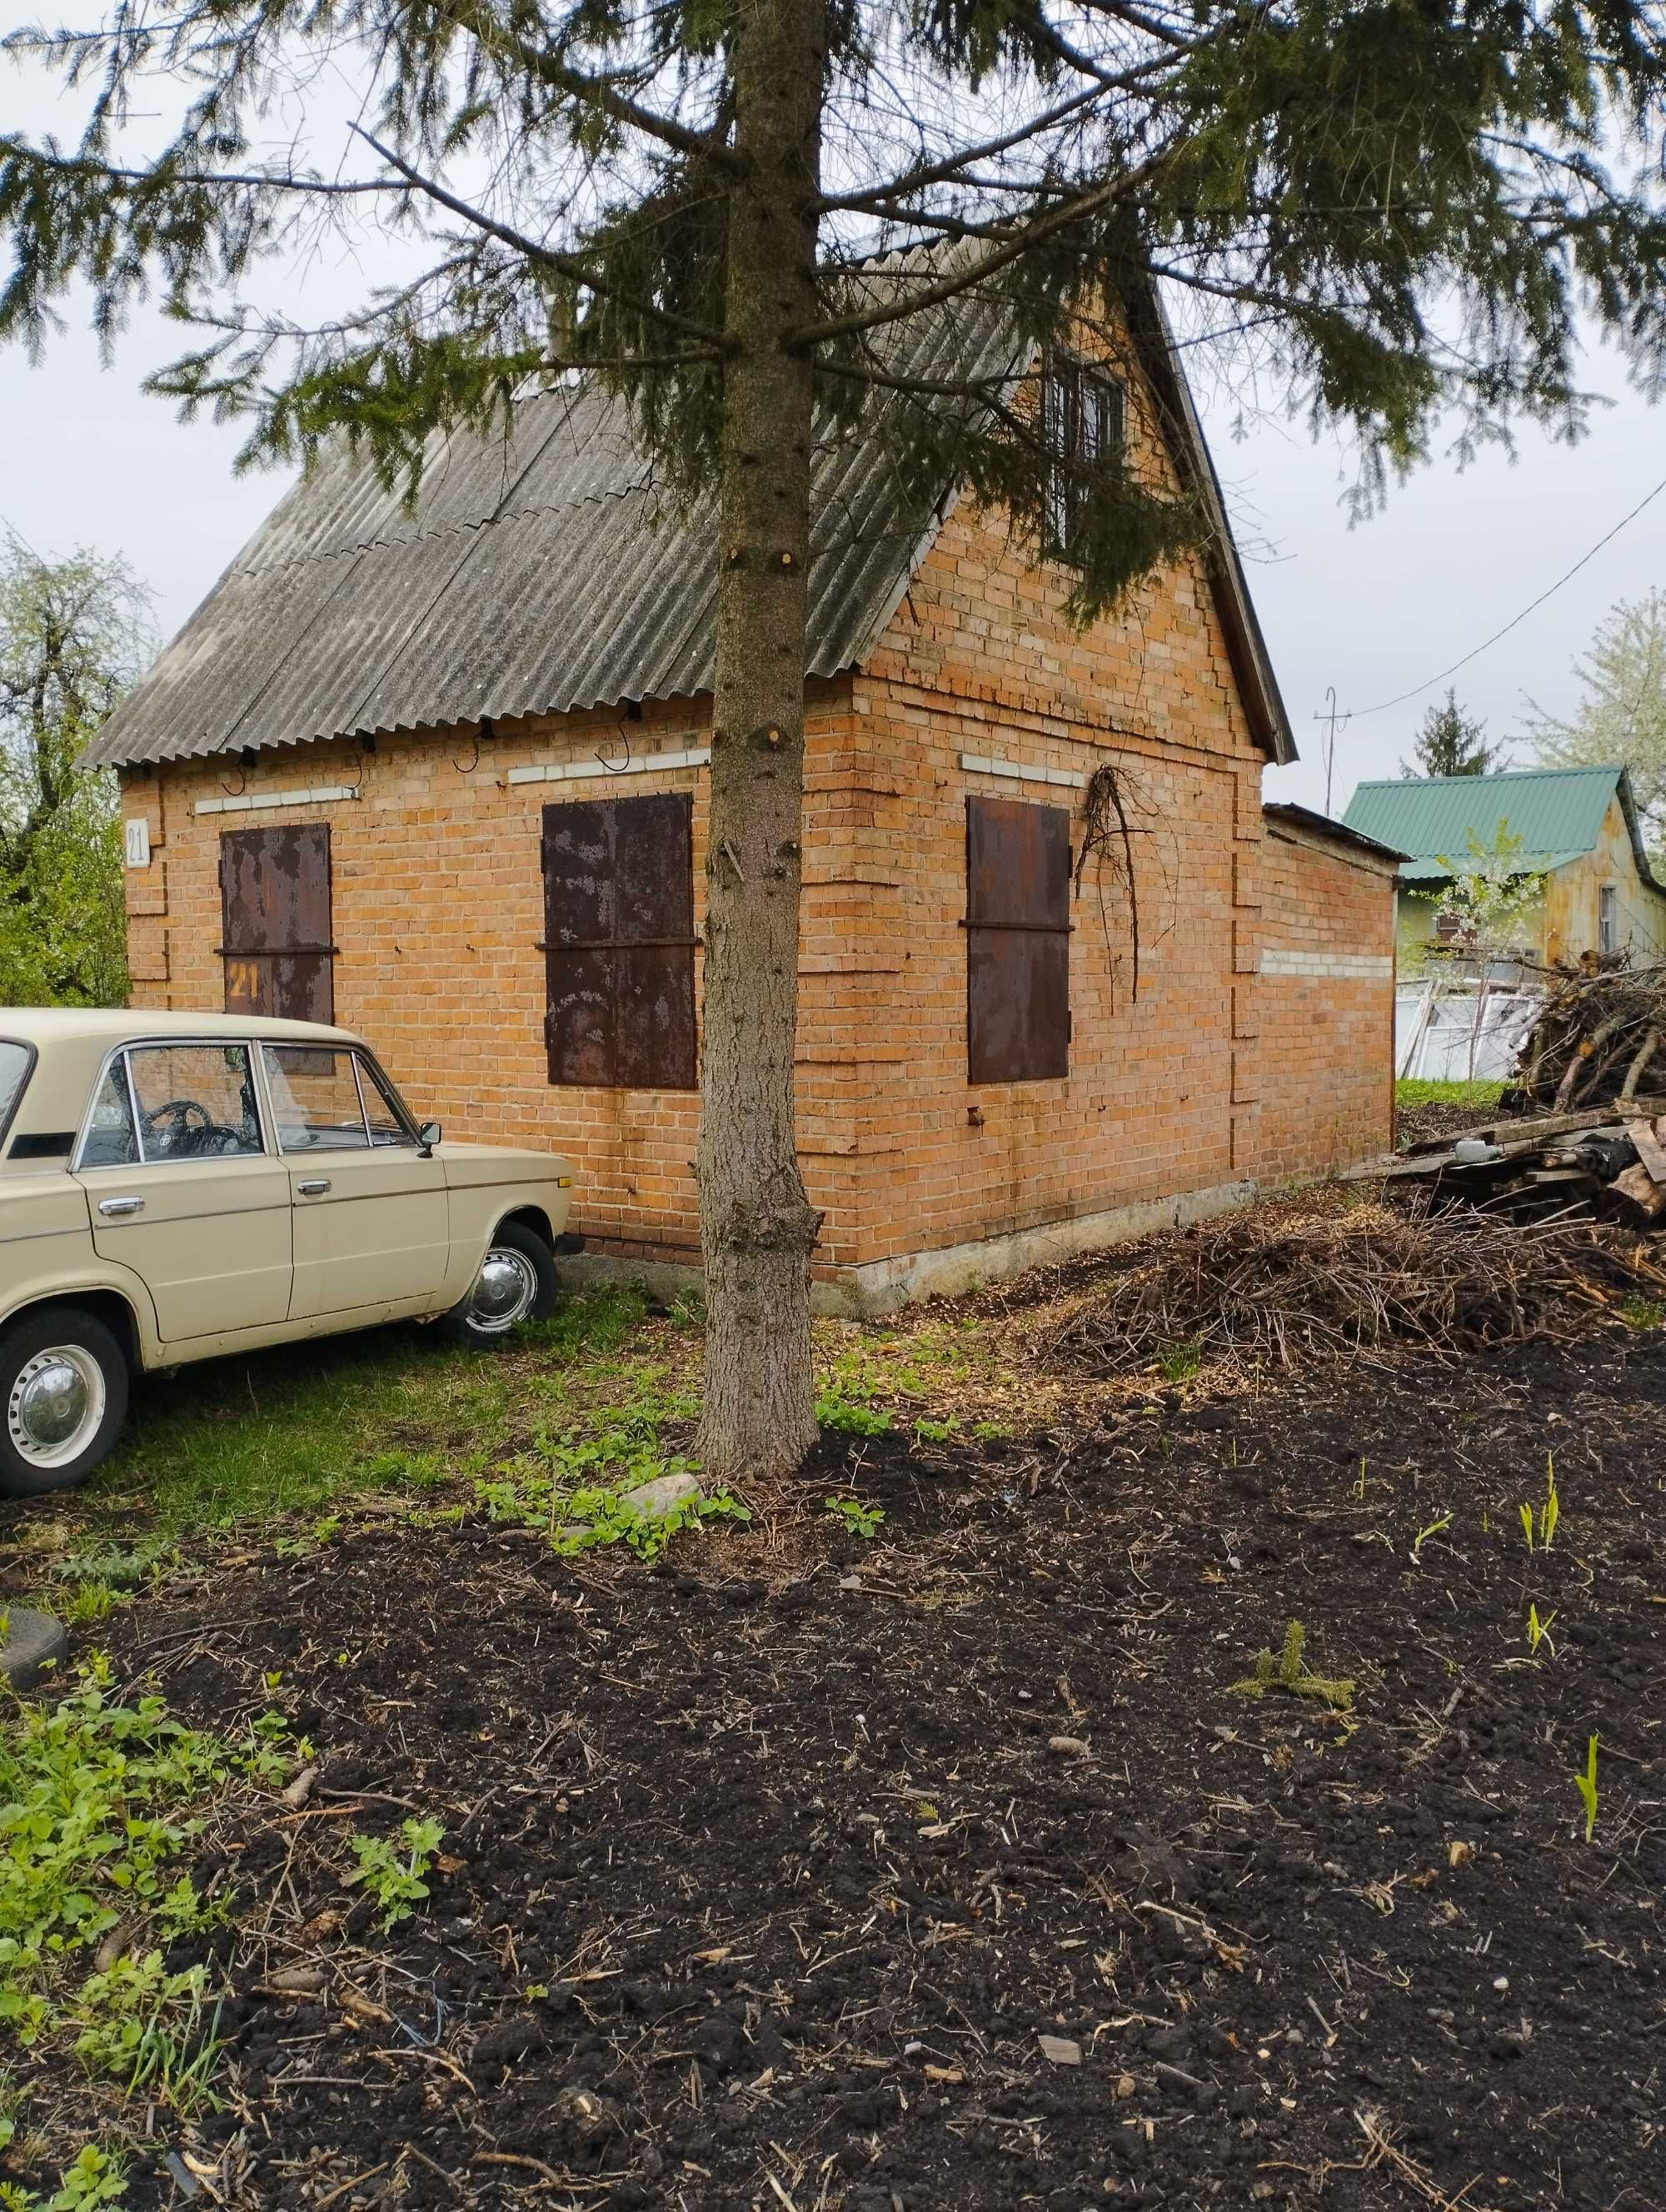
[[439, 775], [1576, 828]]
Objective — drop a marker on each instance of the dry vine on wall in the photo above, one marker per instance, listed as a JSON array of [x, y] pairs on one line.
[[1116, 808]]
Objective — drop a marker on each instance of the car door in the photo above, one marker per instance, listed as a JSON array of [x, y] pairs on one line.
[[181, 1188], [370, 1212]]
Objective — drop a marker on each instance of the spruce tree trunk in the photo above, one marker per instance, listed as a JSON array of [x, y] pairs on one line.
[[757, 1228]]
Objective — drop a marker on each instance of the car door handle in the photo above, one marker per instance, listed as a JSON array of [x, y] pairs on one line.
[[113, 1208], [315, 1187]]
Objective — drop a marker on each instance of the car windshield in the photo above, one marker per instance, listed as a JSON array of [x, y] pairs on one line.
[[15, 1061]]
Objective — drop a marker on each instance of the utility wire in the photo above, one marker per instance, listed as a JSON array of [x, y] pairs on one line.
[[1359, 713]]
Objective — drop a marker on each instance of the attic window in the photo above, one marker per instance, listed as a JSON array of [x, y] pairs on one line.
[[1084, 422]]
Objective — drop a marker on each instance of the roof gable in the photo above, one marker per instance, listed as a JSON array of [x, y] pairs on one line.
[[536, 574], [1557, 812]]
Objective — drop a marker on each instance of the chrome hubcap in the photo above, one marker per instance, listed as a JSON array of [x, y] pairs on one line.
[[56, 1405], [504, 1290]]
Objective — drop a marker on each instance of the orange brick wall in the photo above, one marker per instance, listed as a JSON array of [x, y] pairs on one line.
[[1325, 1004], [1212, 1075], [437, 909]]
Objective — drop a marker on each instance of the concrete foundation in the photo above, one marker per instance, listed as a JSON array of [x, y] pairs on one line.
[[880, 1287]]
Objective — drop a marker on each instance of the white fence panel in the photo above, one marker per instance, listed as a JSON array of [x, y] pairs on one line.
[[1458, 1033]]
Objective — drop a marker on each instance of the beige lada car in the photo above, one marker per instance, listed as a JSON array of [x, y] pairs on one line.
[[177, 1186]]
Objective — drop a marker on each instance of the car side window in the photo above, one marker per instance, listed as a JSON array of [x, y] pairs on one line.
[[15, 1061], [382, 1117], [111, 1140], [330, 1101], [194, 1101]]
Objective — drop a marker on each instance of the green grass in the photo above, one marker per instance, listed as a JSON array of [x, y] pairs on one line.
[[1415, 1092], [281, 1442], [289, 1431]]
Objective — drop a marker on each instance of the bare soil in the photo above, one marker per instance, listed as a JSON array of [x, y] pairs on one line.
[[948, 1869]]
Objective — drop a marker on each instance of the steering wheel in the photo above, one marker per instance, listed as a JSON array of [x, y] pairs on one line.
[[179, 1128]]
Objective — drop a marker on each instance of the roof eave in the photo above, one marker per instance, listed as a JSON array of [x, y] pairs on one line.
[[1252, 664]]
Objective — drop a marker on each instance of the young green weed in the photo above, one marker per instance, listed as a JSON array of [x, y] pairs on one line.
[[858, 1520], [144, 2026], [851, 1418], [1540, 1529], [1288, 1671], [395, 1878], [577, 1488], [1179, 1362], [99, 1801], [95, 2180], [1585, 1783], [89, 1602], [1424, 1534]]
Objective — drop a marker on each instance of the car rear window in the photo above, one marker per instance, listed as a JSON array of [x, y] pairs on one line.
[[15, 1061]]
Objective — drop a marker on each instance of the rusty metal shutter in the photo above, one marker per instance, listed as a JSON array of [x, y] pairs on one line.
[[1018, 941], [619, 930], [275, 917]]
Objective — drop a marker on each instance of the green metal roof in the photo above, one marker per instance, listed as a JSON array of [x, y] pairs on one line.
[[1557, 812]]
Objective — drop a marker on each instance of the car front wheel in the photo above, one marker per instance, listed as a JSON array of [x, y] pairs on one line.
[[62, 1400], [516, 1283]]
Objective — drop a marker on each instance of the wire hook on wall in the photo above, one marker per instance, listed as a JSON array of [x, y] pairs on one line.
[[618, 767], [483, 729]]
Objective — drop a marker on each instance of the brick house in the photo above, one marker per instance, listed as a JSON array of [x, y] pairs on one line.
[[439, 775]]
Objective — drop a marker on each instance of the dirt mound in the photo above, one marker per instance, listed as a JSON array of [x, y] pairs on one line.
[[754, 1897], [1323, 1277]]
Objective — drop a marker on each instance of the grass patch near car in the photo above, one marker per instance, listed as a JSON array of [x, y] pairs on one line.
[[290, 1444], [289, 1434]]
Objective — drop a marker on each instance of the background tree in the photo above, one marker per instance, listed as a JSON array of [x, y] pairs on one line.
[[1493, 908], [1389, 214], [1622, 715], [74, 634], [1451, 743]]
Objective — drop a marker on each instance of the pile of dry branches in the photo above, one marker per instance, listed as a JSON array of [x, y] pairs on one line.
[[1599, 1035], [1283, 1285]]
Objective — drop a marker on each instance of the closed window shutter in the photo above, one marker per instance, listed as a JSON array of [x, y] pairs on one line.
[[1018, 941], [276, 922], [619, 929]]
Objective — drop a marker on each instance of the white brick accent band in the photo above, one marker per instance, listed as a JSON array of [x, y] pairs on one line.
[[982, 765], [1375, 965], [319, 795], [638, 764]]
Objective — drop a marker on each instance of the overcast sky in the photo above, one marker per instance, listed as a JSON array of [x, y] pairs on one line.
[[1373, 610]]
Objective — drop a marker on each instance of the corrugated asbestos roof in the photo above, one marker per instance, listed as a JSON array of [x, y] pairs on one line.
[[536, 574], [1557, 812]]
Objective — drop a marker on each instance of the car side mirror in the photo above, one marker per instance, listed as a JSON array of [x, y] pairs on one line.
[[429, 1135]]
